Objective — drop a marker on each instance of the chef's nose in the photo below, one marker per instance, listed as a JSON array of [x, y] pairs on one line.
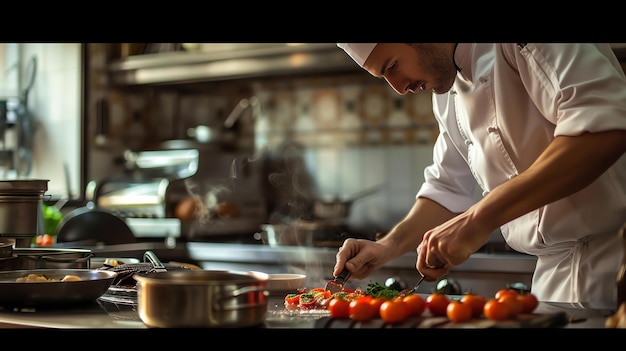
[[401, 86]]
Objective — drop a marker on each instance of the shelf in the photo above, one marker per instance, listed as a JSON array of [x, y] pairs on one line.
[[226, 63]]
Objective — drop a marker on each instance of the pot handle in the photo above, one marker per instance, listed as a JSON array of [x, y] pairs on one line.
[[60, 259], [151, 257], [236, 293]]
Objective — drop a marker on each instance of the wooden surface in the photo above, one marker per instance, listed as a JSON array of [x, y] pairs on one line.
[[553, 320]]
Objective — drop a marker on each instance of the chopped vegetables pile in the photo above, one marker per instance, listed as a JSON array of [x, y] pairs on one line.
[[318, 298]]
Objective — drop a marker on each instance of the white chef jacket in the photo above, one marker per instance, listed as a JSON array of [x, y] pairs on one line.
[[507, 104]]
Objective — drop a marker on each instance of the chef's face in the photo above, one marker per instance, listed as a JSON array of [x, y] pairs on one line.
[[413, 67]]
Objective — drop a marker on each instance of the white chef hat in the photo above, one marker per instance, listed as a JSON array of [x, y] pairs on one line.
[[358, 51]]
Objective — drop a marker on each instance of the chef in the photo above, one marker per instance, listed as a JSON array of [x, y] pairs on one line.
[[541, 129]]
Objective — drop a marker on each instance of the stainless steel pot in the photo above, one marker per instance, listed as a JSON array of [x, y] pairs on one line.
[[20, 207], [302, 233], [202, 298]]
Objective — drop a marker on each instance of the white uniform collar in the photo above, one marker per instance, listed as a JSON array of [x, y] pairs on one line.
[[462, 58]]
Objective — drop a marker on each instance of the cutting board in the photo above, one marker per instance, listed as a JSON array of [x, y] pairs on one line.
[[551, 320]]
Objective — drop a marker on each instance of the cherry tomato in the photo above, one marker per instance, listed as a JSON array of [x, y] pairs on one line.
[[476, 302], [405, 306], [307, 301], [321, 295], [502, 292], [361, 309], [376, 302], [496, 310], [44, 240], [458, 311], [529, 302], [416, 304], [392, 311], [339, 308], [437, 304], [514, 305], [292, 299]]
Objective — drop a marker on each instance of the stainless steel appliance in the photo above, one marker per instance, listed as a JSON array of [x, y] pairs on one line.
[[140, 195]]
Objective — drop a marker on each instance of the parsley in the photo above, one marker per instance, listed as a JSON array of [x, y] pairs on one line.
[[376, 289]]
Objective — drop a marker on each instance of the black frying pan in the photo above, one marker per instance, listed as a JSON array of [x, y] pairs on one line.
[[94, 226], [92, 284]]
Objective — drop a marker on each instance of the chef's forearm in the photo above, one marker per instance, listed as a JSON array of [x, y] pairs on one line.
[[408, 233], [568, 165]]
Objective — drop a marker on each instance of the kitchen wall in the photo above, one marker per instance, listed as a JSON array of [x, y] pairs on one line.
[[53, 103], [348, 132]]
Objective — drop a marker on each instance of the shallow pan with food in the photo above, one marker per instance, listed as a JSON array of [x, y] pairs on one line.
[[99, 262], [92, 284]]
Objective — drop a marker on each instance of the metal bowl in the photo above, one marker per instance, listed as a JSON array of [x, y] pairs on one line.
[[285, 282], [51, 258], [6, 249]]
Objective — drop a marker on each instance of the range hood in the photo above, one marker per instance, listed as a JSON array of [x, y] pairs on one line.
[[226, 61]]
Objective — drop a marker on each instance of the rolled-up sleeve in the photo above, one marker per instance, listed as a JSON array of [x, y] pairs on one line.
[[448, 181]]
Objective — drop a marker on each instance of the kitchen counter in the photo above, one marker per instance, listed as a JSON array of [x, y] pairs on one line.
[[106, 315]]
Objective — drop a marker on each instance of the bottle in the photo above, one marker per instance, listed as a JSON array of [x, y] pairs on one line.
[[621, 274]]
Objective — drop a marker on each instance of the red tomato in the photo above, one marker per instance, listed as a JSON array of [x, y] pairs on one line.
[[361, 309], [307, 301], [405, 306], [392, 311], [502, 292], [376, 302], [529, 302], [437, 304], [415, 303], [458, 311], [44, 240], [496, 310], [339, 308], [514, 305], [321, 295], [476, 302], [292, 299]]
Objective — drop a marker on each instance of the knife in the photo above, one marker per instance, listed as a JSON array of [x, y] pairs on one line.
[[336, 285]]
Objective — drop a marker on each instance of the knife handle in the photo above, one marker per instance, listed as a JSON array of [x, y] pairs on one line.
[[343, 276]]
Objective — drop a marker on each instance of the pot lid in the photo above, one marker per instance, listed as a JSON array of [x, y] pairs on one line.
[[23, 186]]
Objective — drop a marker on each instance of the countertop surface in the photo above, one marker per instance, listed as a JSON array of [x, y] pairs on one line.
[[107, 315]]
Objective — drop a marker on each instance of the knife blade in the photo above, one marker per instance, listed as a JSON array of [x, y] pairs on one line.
[[335, 285]]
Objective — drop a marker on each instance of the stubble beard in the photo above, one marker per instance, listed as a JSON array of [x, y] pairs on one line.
[[440, 63]]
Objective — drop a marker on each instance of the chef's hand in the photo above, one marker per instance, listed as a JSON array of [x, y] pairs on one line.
[[449, 245], [360, 257], [430, 272]]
